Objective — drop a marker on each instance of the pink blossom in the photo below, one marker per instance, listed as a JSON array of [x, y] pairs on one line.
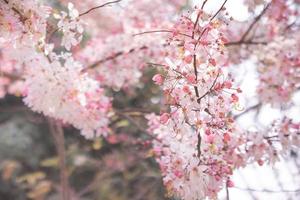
[[158, 79]]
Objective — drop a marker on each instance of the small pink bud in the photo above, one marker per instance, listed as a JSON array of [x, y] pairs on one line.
[[191, 78], [186, 89], [207, 132], [211, 138], [212, 61], [234, 97], [260, 162], [178, 174], [188, 59], [226, 137], [227, 84], [230, 183], [224, 40], [164, 118], [158, 79], [239, 90]]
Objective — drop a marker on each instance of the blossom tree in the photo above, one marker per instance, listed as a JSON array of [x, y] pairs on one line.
[[63, 63]]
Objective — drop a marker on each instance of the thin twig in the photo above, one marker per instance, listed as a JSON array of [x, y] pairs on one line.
[[94, 8], [256, 106], [248, 42], [114, 56], [254, 22], [220, 9], [210, 89], [270, 191], [160, 31], [202, 7], [227, 193]]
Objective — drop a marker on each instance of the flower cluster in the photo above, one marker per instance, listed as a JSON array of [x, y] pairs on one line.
[[22, 22], [55, 85], [195, 140], [279, 72], [22, 27], [71, 27], [65, 93], [198, 143], [269, 144]]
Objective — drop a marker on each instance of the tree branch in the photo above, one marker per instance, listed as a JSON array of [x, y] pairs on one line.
[[227, 193], [160, 31], [221, 8], [254, 22], [256, 106], [94, 8], [59, 141], [114, 56], [270, 191], [248, 42]]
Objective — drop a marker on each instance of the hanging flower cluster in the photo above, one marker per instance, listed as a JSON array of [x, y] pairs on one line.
[[198, 143], [62, 91], [195, 139], [55, 84]]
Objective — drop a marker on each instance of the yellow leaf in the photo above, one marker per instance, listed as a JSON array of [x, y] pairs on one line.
[[97, 144], [31, 178], [40, 190], [122, 123], [50, 162], [150, 153]]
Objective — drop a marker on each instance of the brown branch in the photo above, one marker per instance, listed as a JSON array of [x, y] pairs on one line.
[[59, 141], [9, 75], [137, 125], [199, 145], [269, 191], [202, 7], [227, 193], [248, 42], [256, 106], [103, 5], [160, 31], [157, 64], [210, 89], [220, 9], [114, 56], [22, 18], [254, 22], [243, 38]]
